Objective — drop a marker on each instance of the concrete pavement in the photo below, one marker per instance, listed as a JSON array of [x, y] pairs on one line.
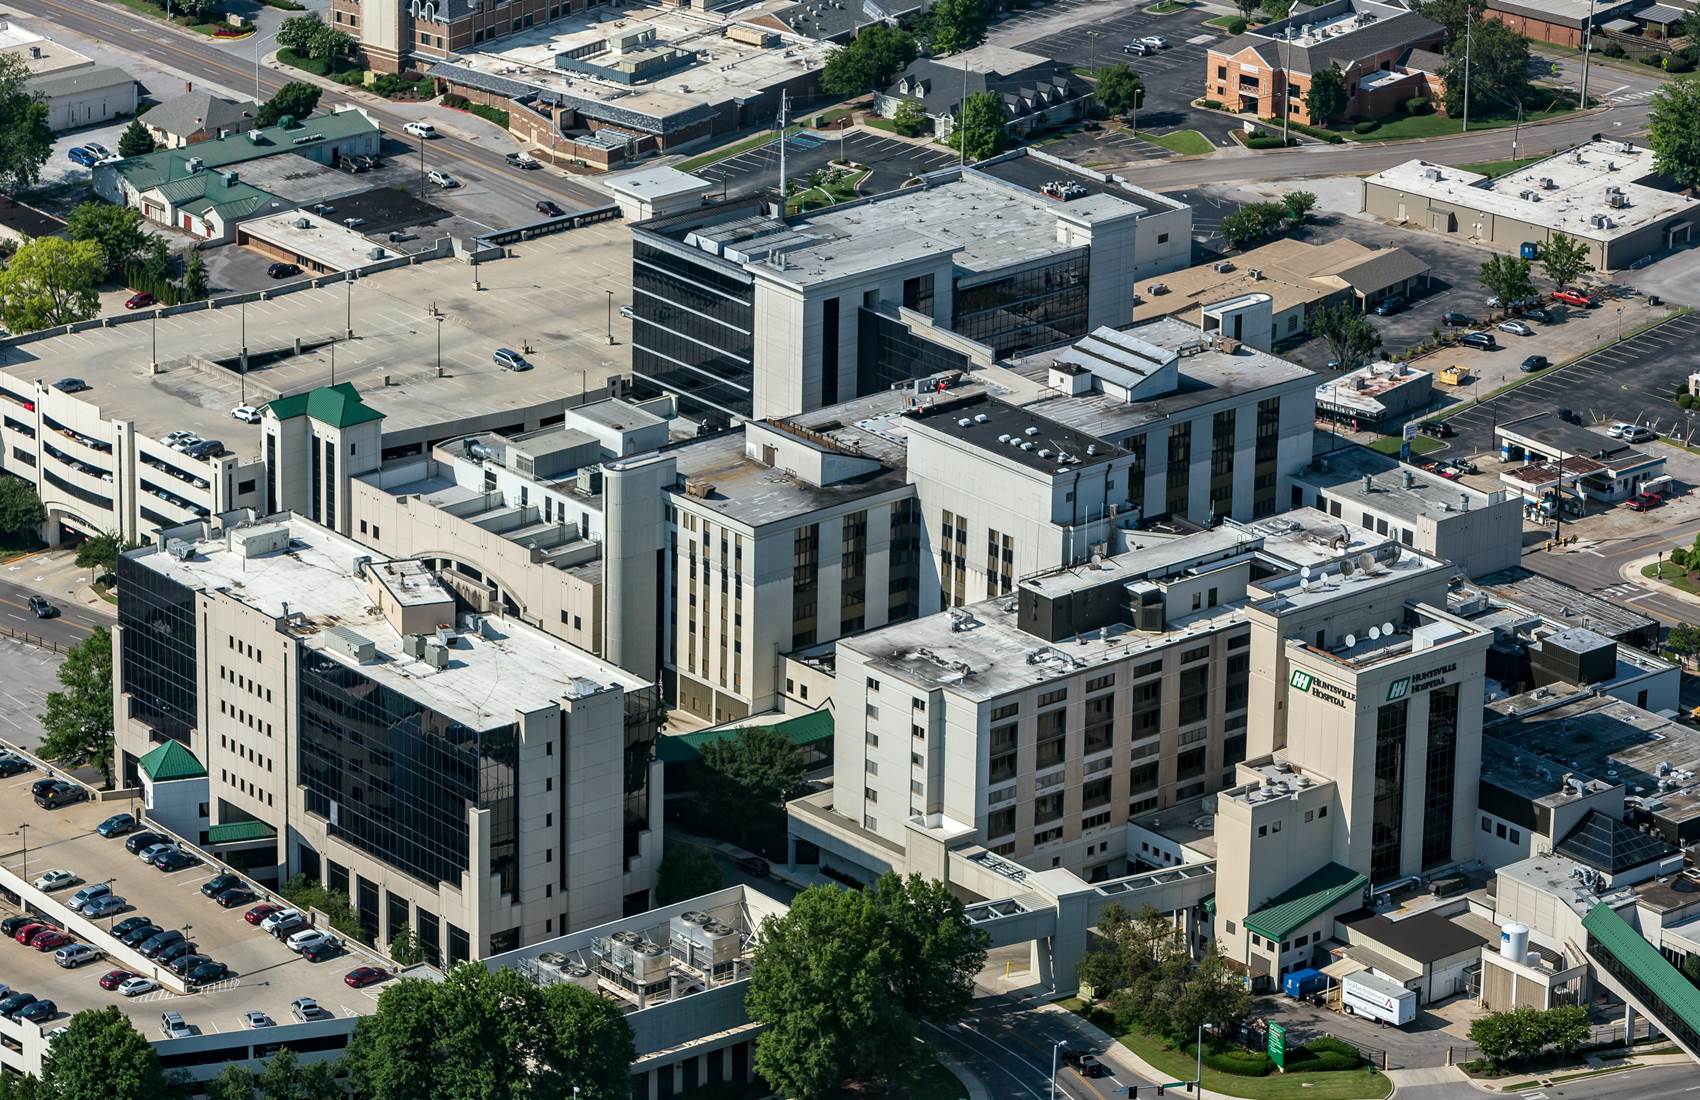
[[73, 623]]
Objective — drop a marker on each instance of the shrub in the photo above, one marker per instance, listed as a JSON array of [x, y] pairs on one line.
[[1210, 104], [1237, 25], [490, 114], [458, 102], [1612, 49], [1336, 139], [304, 893], [1652, 59], [1676, 63], [1418, 105], [351, 79], [1240, 1063], [1263, 141], [1367, 126]]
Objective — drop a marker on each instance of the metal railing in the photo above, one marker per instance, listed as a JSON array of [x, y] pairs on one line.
[[1603, 1036], [34, 639]]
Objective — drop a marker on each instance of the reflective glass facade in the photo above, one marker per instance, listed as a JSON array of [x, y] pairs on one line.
[[1037, 308], [888, 354], [1387, 827], [158, 671], [1441, 775], [693, 329], [395, 779]]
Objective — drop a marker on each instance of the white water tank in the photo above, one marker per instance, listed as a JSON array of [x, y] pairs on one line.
[[1514, 941]]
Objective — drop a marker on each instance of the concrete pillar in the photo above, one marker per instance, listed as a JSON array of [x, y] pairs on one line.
[[1042, 963], [1629, 1022]]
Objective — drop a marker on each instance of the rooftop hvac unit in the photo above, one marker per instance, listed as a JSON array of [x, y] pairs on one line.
[[650, 963], [706, 945], [626, 936], [437, 656], [1431, 173], [1618, 201], [194, 164], [1222, 267], [303, 223], [1547, 184]]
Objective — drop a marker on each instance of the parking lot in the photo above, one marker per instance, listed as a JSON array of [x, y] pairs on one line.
[[267, 975], [890, 160], [1108, 147], [31, 672]]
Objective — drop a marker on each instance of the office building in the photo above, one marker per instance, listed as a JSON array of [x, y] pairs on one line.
[[465, 776], [1036, 92]]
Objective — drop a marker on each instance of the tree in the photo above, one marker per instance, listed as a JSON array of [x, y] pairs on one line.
[[870, 61], [77, 722], [296, 33], [101, 552], [1326, 96], [328, 43], [1252, 222], [1564, 259], [1691, 968], [1351, 338], [25, 139], [21, 512], [843, 980], [748, 778], [1673, 132], [1248, 8], [296, 100], [1454, 15], [284, 1077], [135, 141], [956, 25], [393, 1052], [686, 871], [102, 1055], [586, 1048], [1298, 205], [116, 229], [1494, 1035], [910, 118], [1567, 1028], [1509, 279], [405, 949], [1213, 996], [235, 1083], [981, 126], [50, 281], [1498, 68], [1120, 89], [195, 277], [1684, 640], [1130, 947]]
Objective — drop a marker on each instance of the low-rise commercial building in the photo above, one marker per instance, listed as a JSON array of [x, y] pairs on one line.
[[196, 116], [1564, 462], [1035, 92], [1379, 397], [1562, 22], [85, 96], [1606, 194]]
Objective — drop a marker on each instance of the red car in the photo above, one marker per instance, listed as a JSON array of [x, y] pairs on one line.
[[362, 976], [140, 300], [260, 912], [28, 931], [112, 979], [49, 940], [1578, 298]]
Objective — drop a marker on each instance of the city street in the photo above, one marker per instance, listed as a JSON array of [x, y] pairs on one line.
[[70, 626]]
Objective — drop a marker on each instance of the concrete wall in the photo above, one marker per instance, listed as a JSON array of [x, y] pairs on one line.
[[91, 107]]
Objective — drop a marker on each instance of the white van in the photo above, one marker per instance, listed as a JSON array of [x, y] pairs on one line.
[[420, 129]]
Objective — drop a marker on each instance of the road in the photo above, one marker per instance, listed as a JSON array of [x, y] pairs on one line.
[[1009, 1046], [233, 65], [1676, 1082], [1600, 568], [69, 627]]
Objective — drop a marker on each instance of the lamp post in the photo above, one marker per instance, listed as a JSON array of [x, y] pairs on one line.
[[24, 832], [1056, 1046], [611, 318], [243, 372], [422, 166], [1286, 77], [439, 345], [154, 355], [348, 306], [1465, 128]]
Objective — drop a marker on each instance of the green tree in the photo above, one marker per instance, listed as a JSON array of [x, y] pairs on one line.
[[285, 1077], [19, 1086], [1673, 132], [1120, 89], [101, 552], [1498, 69], [50, 281], [1454, 15], [981, 126], [25, 139], [747, 779], [195, 277], [1249, 8], [686, 871], [1495, 1036], [1326, 96], [869, 62], [1213, 996], [296, 100], [116, 229], [21, 512], [1567, 1028], [1351, 338], [1297, 205], [77, 722], [910, 118], [585, 1047], [393, 1052], [1129, 948], [1564, 259], [329, 43], [1252, 222], [1691, 968], [297, 32], [235, 1083], [102, 1055], [1684, 640], [843, 980], [956, 25], [405, 949], [1509, 279], [135, 141]]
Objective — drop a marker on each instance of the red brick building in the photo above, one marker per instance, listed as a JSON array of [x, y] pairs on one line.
[[391, 32], [1379, 48], [1559, 21]]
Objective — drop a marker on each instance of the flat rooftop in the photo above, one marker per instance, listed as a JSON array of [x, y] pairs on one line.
[[550, 294], [1546, 430], [321, 240], [1520, 770], [1556, 876], [1578, 181], [1019, 433], [1334, 560], [491, 676], [1365, 389], [1394, 488], [1560, 601], [1032, 169]]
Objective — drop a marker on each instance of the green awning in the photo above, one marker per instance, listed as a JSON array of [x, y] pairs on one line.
[[240, 830], [804, 730], [1643, 960], [1295, 907], [171, 761]]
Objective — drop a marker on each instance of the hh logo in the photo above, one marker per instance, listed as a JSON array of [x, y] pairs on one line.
[[1398, 689], [1301, 679]]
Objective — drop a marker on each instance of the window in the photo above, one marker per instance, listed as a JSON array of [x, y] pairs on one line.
[[1439, 781], [1388, 818]]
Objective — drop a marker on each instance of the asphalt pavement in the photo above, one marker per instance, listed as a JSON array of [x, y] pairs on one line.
[[69, 627], [1598, 568]]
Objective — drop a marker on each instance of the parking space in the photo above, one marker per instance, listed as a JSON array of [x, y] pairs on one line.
[[1208, 210], [1105, 147], [31, 672], [891, 161], [266, 974]]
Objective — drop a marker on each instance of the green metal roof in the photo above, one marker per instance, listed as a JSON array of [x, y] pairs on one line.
[[167, 166], [1320, 892], [1643, 960], [240, 830], [806, 729], [338, 406], [171, 761]]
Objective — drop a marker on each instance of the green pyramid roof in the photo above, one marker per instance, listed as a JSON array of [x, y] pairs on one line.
[[171, 761], [339, 406]]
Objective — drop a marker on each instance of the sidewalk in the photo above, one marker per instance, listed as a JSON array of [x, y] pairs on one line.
[[1632, 573], [1123, 1062], [55, 574]]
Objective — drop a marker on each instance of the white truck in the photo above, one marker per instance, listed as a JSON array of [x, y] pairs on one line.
[[1378, 998]]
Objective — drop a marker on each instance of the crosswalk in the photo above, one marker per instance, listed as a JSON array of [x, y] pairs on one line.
[[1641, 96]]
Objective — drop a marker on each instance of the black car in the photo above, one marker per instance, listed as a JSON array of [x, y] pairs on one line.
[[207, 973], [43, 609], [175, 860], [1540, 315], [42, 786], [1534, 363], [218, 884], [1457, 320], [283, 271], [1481, 341], [183, 961], [1389, 305], [158, 942], [179, 950], [138, 841], [1440, 429], [37, 1011], [122, 928], [324, 949], [10, 1006], [754, 865], [548, 208], [1569, 415], [9, 927], [12, 764], [236, 895], [138, 935]]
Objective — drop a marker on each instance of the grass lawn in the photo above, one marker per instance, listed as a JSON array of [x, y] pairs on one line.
[[157, 11], [878, 123], [1188, 143], [1166, 7], [1673, 575], [1496, 168], [814, 198], [1422, 445], [1221, 21], [1436, 125], [833, 115], [755, 141]]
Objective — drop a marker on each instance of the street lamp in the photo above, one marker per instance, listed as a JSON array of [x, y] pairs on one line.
[[1286, 76], [439, 345], [155, 354], [611, 318], [24, 832], [348, 308], [1058, 1045]]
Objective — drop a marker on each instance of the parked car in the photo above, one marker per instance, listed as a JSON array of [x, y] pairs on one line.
[[116, 825], [248, 414], [281, 916], [154, 851], [282, 270], [181, 962], [304, 1009], [105, 906], [37, 1011], [754, 865], [91, 892], [1515, 328], [79, 155], [549, 209], [362, 976], [158, 942], [261, 911], [140, 934], [1136, 48], [28, 929], [9, 927], [62, 793], [309, 937], [12, 764], [1389, 305], [175, 860], [143, 840], [56, 879], [172, 1026], [420, 129], [1637, 434], [129, 924], [73, 955], [12, 1005], [253, 1021], [206, 974], [218, 884], [177, 952], [1581, 299], [442, 179], [328, 948], [42, 607], [289, 926], [70, 385], [1481, 341], [1534, 363], [1156, 41], [135, 987], [140, 300], [49, 939], [236, 895], [628, 312], [509, 359], [1645, 502], [1439, 429], [112, 979], [1569, 416], [522, 160], [100, 151], [1457, 320], [1538, 314]]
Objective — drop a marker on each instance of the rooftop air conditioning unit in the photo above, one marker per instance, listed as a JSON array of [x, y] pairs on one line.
[[1431, 173], [1222, 267], [303, 223], [194, 164], [1618, 201], [1547, 184]]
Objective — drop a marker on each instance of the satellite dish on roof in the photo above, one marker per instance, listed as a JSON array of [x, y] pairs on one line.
[[1387, 629], [1351, 640], [1366, 562], [1346, 567], [1304, 571], [1375, 633]]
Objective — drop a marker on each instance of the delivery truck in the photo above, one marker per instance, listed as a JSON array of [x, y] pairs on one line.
[[1378, 998]]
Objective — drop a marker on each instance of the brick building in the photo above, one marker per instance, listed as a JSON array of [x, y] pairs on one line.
[[392, 31], [1560, 21]]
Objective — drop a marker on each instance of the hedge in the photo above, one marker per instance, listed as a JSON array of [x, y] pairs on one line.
[[1418, 105], [1210, 104], [1676, 63], [1240, 1063], [1237, 25], [1263, 141], [1367, 126]]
